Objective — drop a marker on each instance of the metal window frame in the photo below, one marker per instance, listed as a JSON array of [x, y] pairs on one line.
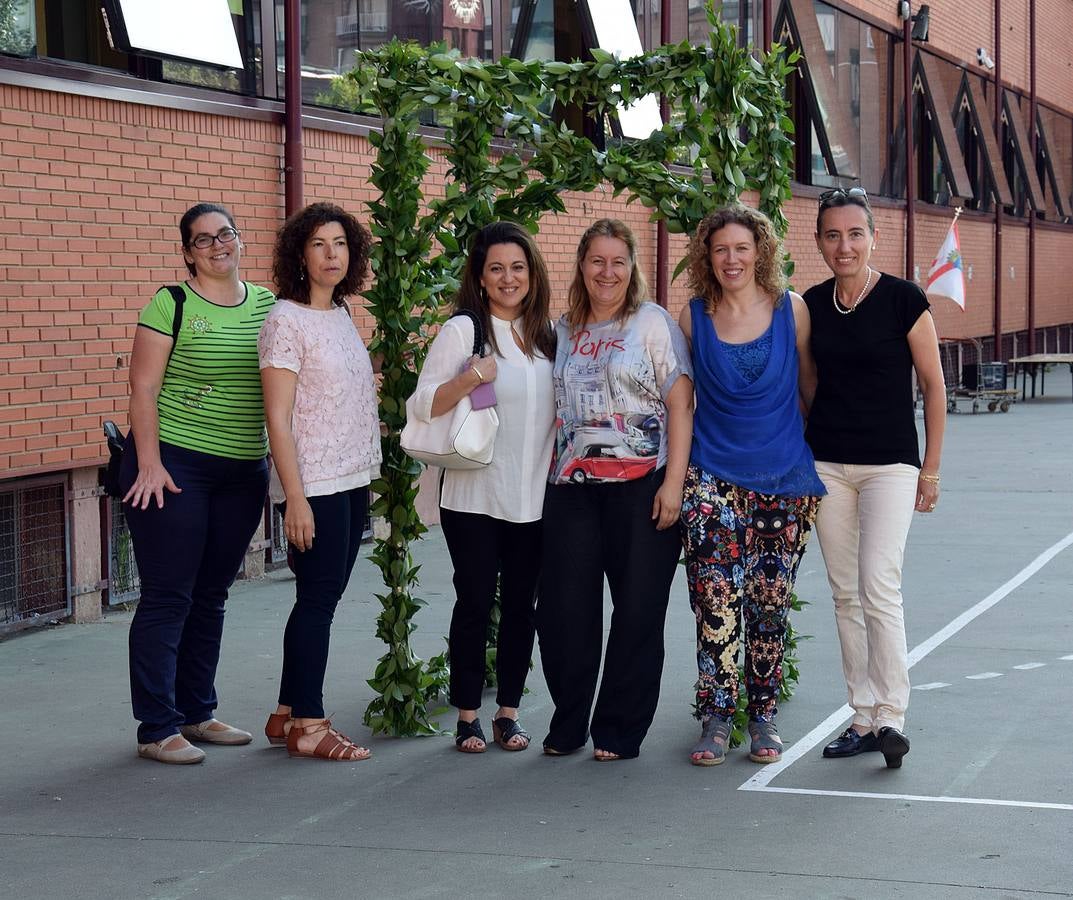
[[971, 96], [927, 79], [1022, 150], [1055, 176], [817, 83], [115, 21]]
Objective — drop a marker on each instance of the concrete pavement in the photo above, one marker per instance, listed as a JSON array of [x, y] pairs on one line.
[[983, 806]]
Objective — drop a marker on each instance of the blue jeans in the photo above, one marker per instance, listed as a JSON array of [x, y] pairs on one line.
[[321, 575], [188, 554]]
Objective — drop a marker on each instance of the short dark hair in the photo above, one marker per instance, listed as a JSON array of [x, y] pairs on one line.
[[854, 196], [535, 331], [186, 224], [288, 257]]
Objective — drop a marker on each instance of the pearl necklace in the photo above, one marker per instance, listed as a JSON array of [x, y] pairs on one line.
[[860, 296]]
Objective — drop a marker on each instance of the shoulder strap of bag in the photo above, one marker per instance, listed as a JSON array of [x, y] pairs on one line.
[[478, 329], [179, 296]]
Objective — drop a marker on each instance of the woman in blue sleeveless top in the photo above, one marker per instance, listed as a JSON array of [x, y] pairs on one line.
[[751, 490]]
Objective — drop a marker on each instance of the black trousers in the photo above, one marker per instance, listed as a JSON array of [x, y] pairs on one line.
[[321, 574], [590, 531], [484, 549]]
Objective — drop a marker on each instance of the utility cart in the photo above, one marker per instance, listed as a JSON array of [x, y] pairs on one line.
[[972, 383]]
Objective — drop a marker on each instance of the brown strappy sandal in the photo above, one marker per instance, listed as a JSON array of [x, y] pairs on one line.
[[277, 728], [333, 746]]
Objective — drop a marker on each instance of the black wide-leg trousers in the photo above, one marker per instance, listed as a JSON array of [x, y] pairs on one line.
[[593, 530]]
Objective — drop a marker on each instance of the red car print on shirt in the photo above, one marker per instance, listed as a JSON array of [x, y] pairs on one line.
[[603, 462]]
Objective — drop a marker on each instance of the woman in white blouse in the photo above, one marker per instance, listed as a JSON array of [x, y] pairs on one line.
[[491, 516]]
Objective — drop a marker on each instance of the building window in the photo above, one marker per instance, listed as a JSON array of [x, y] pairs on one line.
[[843, 60], [1054, 148], [75, 31], [979, 184], [18, 27], [334, 30], [941, 172], [975, 130], [529, 32], [1016, 159], [742, 14]]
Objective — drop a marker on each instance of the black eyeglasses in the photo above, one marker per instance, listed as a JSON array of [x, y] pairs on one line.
[[851, 194], [224, 236]]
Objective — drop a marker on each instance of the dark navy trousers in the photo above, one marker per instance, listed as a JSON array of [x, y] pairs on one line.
[[188, 555]]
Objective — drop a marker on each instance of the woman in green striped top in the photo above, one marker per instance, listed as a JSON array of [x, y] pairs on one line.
[[195, 476]]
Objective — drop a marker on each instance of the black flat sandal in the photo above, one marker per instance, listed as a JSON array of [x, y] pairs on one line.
[[504, 728], [466, 730]]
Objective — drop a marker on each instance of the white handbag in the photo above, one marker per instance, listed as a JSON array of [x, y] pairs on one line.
[[460, 439]]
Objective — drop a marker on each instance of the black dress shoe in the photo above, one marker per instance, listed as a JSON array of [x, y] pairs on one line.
[[893, 745], [850, 743]]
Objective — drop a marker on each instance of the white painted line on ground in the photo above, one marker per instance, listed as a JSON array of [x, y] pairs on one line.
[[931, 686], [762, 779], [982, 675], [1024, 667], [1066, 657], [923, 798]]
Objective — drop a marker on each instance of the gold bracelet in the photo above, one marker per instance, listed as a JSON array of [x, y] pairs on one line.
[[477, 372], [931, 479]]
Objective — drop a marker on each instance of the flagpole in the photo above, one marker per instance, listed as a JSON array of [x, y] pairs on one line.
[[957, 213]]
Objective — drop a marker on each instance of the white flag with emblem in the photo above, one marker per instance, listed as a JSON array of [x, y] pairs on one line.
[[946, 277]]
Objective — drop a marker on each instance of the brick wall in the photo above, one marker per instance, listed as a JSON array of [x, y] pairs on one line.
[[958, 29], [1054, 63], [91, 192]]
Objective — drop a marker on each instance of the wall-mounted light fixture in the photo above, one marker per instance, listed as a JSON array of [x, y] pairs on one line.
[[920, 23], [903, 9]]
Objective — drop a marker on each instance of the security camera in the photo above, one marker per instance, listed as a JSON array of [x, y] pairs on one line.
[[983, 59]]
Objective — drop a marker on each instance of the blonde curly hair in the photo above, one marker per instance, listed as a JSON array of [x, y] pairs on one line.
[[770, 254]]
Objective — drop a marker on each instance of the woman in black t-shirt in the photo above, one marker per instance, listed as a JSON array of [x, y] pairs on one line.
[[870, 331]]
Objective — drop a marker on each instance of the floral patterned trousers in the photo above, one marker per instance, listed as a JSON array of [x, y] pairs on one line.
[[742, 550]]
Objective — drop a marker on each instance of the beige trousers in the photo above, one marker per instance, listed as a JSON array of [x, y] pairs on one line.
[[862, 526]]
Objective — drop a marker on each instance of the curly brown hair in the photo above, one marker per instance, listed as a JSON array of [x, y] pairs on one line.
[[578, 307], [535, 333], [288, 257], [770, 254]]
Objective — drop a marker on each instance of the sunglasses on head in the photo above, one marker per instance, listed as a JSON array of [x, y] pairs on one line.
[[853, 193]]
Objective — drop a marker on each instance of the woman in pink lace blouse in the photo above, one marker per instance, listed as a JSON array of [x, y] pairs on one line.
[[320, 403]]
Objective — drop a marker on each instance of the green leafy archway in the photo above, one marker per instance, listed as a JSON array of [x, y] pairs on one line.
[[508, 159]]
